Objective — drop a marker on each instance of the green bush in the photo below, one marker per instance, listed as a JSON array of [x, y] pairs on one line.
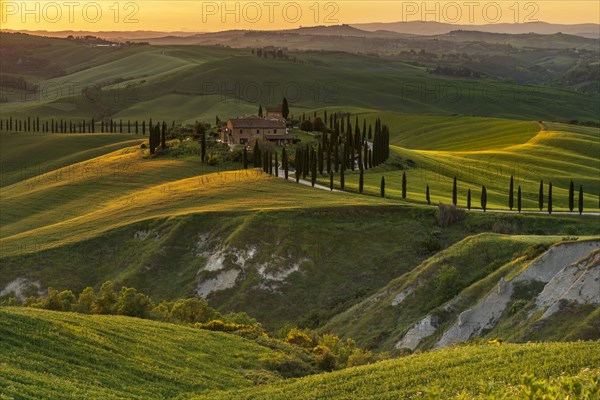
[[287, 365], [299, 338]]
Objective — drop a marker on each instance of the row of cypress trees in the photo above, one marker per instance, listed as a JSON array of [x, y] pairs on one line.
[[511, 196], [30, 124]]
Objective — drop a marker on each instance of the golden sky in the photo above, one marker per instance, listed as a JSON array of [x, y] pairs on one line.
[[195, 15]]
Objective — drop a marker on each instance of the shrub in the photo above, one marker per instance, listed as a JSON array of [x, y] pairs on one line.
[[106, 300], [192, 310], [360, 357], [447, 214], [299, 338], [56, 301], [306, 125], [289, 366], [133, 304], [220, 326], [431, 243], [86, 300], [517, 306], [326, 360]]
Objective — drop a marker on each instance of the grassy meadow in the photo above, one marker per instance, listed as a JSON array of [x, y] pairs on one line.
[[471, 372], [57, 355]]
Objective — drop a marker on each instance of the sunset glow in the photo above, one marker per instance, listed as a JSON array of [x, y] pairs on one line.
[[202, 16]]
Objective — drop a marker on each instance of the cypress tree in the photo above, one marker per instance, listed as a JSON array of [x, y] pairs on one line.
[[519, 199], [382, 188], [313, 167], [571, 196], [136, 127], [151, 140], [120, 126], [320, 158], [306, 163], [144, 127], [260, 112], [256, 155], [580, 199], [336, 152], [483, 198], [511, 193], [342, 179], [329, 146], [285, 110], [270, 160], [245, 155], [427, 198], [404, 185], [163, 138], [454, 192], [331, 181], [541, 195], [550, 198], [284, 163], [276, 166], [469, 199], [298, 164], [361, 181], [203, 146]]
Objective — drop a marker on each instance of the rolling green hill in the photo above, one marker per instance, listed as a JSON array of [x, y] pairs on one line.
[[56, 355], [201, 80], [461, 372], [173, 226], [486, 152]]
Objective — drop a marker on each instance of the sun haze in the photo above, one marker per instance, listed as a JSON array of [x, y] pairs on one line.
[[203, 16]]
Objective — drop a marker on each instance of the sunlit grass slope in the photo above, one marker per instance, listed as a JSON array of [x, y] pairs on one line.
[[25, 155], [53, 355], [477, 371], [559, 153], [82, 200]]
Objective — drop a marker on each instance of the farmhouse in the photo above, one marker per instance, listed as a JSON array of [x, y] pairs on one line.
[[246, 130]]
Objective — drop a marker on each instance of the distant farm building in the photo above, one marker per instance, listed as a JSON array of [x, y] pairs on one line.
[[247, 130]]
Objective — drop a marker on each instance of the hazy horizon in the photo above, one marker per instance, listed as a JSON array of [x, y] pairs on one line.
[[188, 16]]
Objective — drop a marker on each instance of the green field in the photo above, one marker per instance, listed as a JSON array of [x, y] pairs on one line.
[[186, 83], [485, 152], [54, 355], [58, 355], [461, 372]]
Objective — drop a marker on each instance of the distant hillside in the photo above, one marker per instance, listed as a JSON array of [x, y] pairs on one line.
[[108, 35], [438, 28]]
